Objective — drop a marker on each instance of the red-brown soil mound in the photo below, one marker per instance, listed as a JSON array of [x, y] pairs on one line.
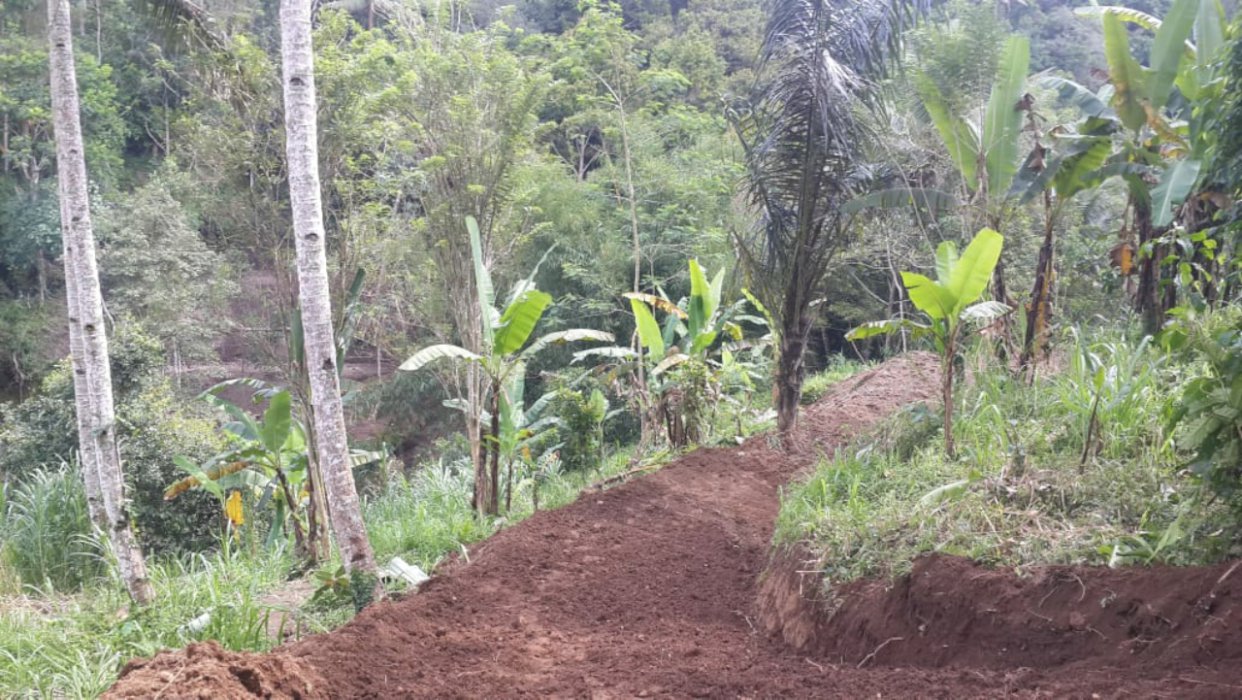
[[650, 589], [209, 672]]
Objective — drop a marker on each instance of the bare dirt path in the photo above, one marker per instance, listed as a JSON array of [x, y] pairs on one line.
[[647, 589]]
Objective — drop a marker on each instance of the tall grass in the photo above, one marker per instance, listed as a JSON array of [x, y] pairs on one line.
[[73, 646], [46, 538], [1037, 480], [424, 517]]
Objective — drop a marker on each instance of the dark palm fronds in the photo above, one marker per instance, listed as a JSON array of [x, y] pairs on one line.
[[185, 20], [803, 134], [808, 119]]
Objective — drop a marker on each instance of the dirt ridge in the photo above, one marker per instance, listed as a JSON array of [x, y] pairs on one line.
[[648, 589]]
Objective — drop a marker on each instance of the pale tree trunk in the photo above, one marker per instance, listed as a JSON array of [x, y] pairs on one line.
[[483, 496], [345, 511], [77, 356], [88, 340], [645, 419], [468, 318]]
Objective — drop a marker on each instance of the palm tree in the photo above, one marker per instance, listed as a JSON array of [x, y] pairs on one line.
[[803, 136], [327, 416], [88, 341]]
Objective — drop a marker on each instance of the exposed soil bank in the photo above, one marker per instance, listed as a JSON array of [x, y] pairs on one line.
[[951, 612], [647, 589]]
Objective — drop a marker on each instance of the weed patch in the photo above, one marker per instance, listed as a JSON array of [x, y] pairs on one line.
[[1075, 468]]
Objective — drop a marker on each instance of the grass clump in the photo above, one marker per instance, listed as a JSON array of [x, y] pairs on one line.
[[840, 368], [1074, 468], [45, 536], [74, 645]]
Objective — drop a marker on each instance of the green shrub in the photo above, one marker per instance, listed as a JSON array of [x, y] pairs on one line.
[[24, 346], [1075, 469], [581, 410], [424, 517], [154, 425], [1209, 411], [46, 536]]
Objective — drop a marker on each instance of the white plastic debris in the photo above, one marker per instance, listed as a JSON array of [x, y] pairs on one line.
[[198, 624], [397, 568]]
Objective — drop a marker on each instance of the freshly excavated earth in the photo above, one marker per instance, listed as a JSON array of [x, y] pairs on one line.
[[653, 588]]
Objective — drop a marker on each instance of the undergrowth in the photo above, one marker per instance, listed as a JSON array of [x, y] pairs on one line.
[[55, 644], [1037, 480]]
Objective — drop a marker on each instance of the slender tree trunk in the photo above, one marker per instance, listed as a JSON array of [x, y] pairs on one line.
[[1039, 313], [77, 358], [636, 245], [946, 385], [482, 498], [1000, 291], [96, 425], [493, 502], [791, 367], [41, 274], [298, 72], [1148, 302]]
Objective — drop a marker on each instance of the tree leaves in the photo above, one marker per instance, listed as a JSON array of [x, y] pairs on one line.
[[648, 330], [960, 138], [658, 302], [1209, 36], [482, 283], [1176, 183], [437, 352], [571, 336], [1124, 14], [1073, 94], [928, 296], [947, 302], [1126, 75], [702, 304], [1168, 50], [519, 321], [1002, 122], [888, 326], [946, 260], [277, 421], [974, 269]]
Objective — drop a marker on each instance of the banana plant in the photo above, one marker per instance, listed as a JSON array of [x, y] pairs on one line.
[[949, 303], [1072, 163], [679, 356], [267, 457], [506, 348], [986, 155], [1166, 140], [523, 429]]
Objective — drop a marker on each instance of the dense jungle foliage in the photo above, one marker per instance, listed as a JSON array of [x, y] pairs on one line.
[[566, 240]]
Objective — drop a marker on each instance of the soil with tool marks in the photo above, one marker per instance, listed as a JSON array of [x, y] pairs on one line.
[[664, 586]]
